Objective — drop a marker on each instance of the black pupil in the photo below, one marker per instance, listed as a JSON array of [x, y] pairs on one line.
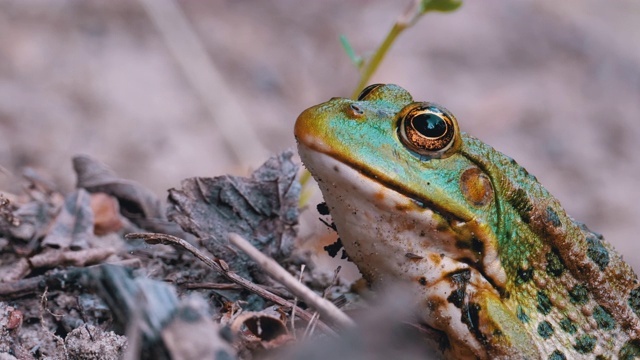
[[429, 125]]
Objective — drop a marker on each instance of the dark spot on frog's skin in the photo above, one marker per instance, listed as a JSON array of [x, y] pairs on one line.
[[555, 267], [523, 275], [412, 256], [335, 168], [585, 344], [597, 252], [634, 300], [332, 249], [442, 339], [557, 355], [568, 326], [463, 245], [522, 316], [579, 295], [545, 330], [422, 280], [553, 217], [422, 233], [323, 209], [603, 318], [630, 350], [470, 317], [521, 203], [475, 245], [457, 297], [544, 303], [461, 277]]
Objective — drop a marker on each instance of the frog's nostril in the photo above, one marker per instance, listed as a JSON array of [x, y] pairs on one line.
[[356, 109]]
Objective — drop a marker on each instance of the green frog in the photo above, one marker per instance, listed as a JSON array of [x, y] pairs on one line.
[[491, 258]]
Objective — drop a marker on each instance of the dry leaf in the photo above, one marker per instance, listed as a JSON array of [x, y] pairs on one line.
[[106, 214], [73, 226], [33, 221], [262, 208], [137, 203]]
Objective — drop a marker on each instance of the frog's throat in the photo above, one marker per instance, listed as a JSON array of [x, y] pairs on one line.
[[325, 164]]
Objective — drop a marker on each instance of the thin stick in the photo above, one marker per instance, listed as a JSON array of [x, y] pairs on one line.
[[58, 280], [221, 266], [295, 303], [325, 307]]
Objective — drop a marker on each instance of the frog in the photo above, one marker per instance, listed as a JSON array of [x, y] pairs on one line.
[[490, 259]]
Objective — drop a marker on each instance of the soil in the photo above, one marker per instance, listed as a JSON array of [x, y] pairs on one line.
[[555, 85]]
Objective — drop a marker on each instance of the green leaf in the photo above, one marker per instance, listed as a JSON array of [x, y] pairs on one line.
[[439, 5], [355, 59]]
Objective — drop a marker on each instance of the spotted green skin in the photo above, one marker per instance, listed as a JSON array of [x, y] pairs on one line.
[[559, 290]]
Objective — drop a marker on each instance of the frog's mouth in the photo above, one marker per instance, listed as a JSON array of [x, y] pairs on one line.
[[319, 165]]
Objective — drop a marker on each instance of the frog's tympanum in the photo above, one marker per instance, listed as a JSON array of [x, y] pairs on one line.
[[493, 261]]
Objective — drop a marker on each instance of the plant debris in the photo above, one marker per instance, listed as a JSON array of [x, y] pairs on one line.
[[80, 280], [262, 208], [74, 285]]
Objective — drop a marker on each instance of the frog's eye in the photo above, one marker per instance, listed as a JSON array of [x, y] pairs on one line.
[[367, 90], [427, 129]]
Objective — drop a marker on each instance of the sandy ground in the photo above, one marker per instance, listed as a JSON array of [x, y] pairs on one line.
[[556, 85]]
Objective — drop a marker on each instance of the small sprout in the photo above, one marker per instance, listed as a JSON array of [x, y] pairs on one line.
[[355, 59]]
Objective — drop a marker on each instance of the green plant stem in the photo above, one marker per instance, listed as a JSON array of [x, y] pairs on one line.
[[372, 65]]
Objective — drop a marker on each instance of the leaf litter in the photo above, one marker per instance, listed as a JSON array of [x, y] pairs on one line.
[[72, 286]]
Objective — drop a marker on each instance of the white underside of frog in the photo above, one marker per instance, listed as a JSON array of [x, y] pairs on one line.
[[384, 232]]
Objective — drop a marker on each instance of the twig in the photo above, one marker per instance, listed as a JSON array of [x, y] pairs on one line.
[[295, 305], [311, 326], [221, 266], [325, 307], [59, 280], [212, 286]]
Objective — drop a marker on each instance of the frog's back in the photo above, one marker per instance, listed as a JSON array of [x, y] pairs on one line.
[[568, 286]]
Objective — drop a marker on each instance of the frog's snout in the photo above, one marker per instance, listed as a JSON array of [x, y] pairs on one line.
[[303, 123]]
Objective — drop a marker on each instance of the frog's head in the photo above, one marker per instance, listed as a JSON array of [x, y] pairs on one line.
[[388, 152]]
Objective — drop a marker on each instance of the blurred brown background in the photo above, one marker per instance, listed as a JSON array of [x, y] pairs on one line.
[[555, 85]]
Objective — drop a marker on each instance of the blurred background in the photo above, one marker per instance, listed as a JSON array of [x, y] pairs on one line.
[[162, 92]]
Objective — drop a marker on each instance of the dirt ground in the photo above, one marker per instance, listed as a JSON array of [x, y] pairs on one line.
[[555, 85]]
